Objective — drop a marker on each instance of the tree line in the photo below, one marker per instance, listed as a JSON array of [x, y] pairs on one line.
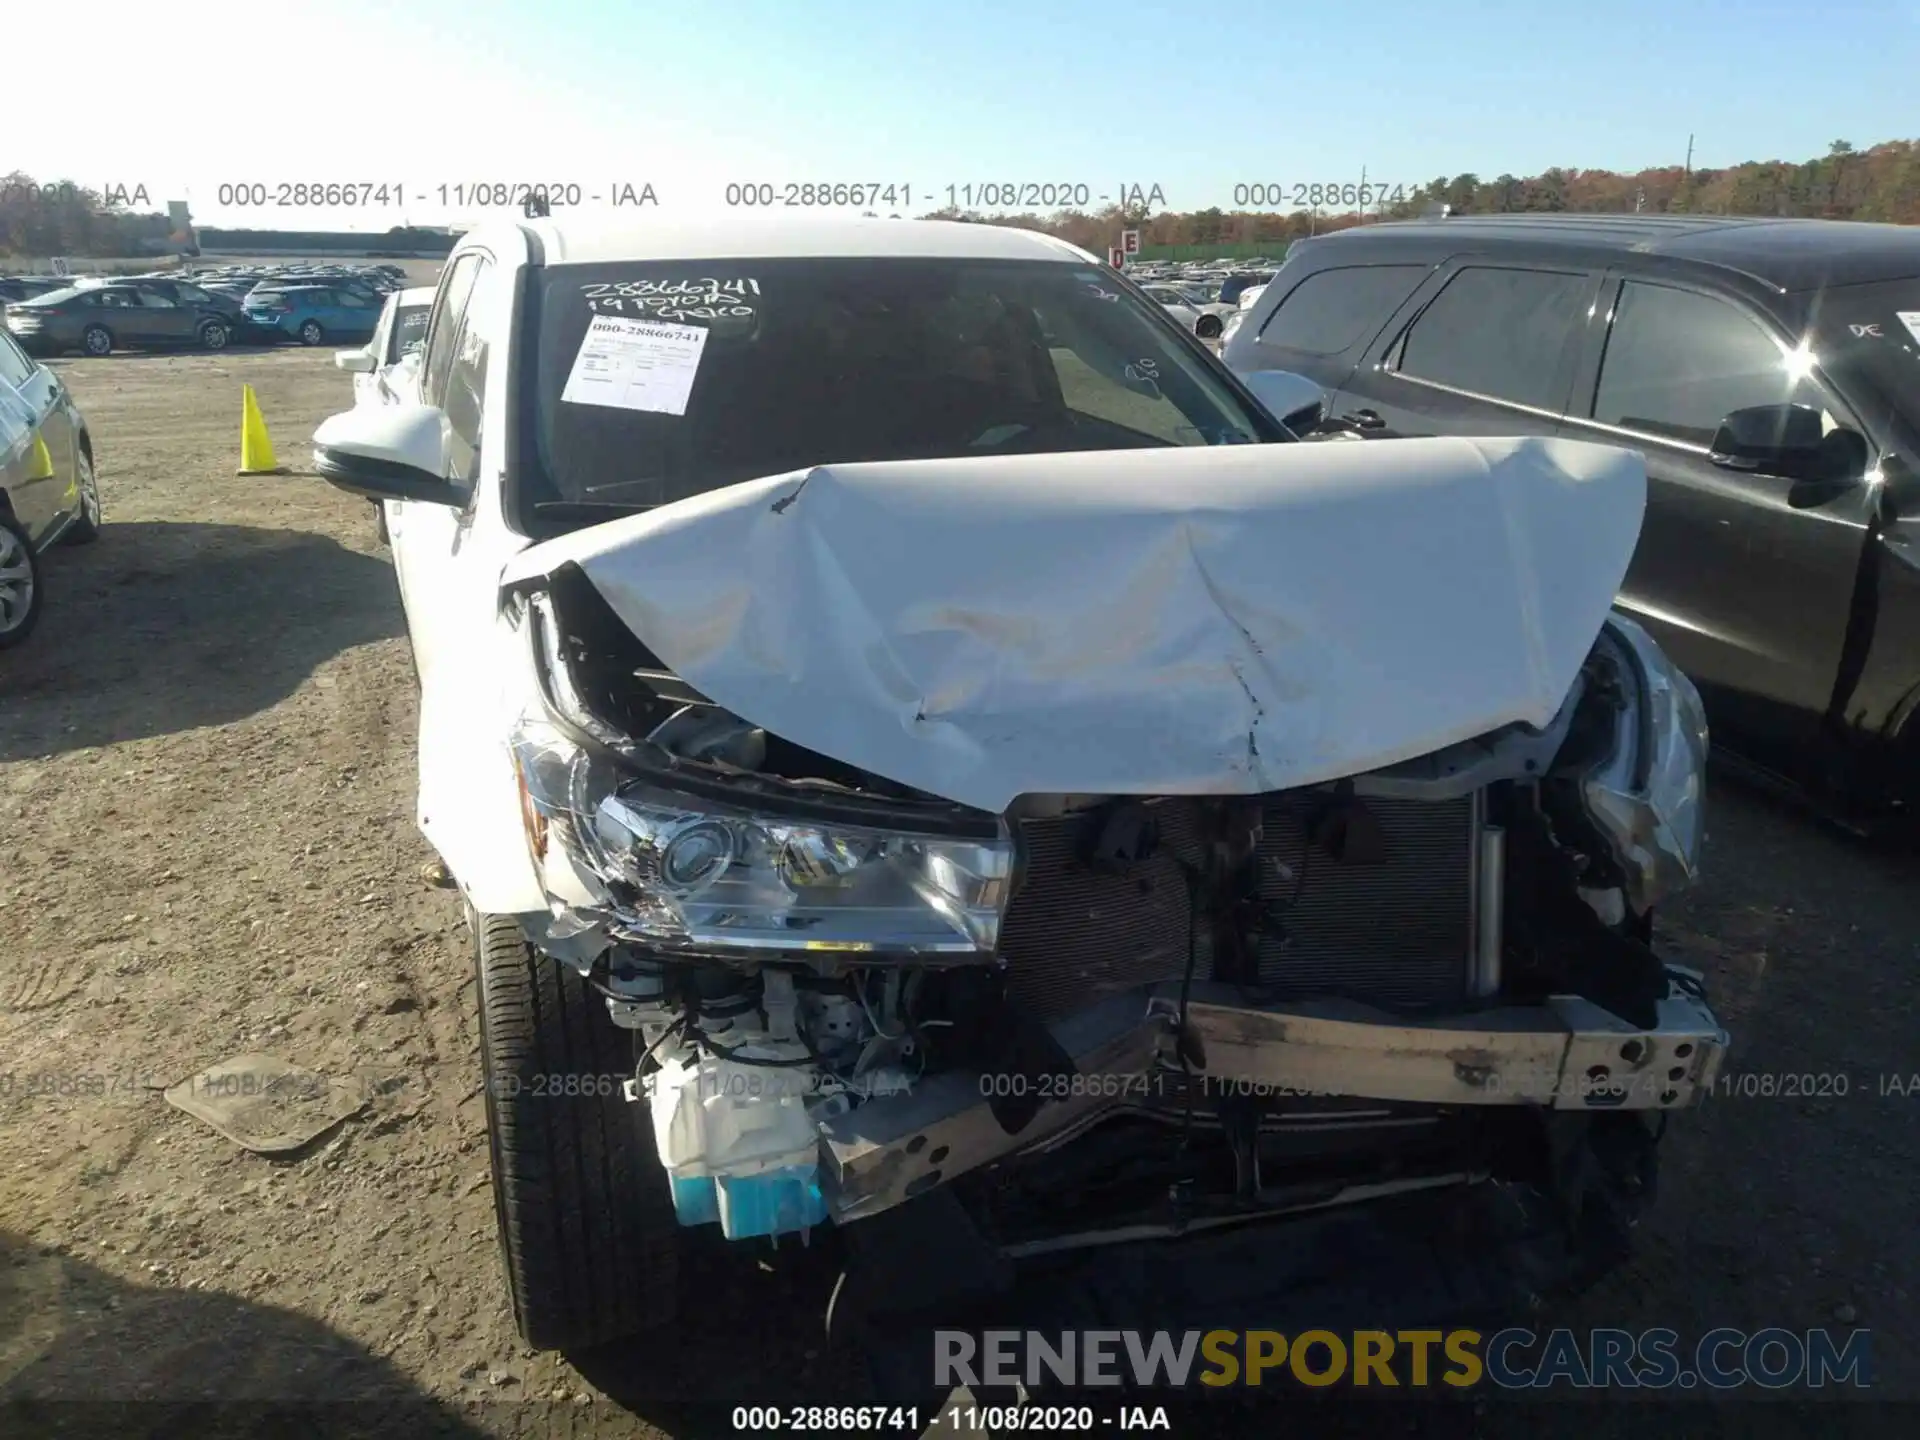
[[1881, 182]]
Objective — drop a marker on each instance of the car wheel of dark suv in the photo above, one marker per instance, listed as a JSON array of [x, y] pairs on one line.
[[214, 335]]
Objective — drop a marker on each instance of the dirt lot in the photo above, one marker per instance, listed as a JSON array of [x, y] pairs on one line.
[[206, 847]]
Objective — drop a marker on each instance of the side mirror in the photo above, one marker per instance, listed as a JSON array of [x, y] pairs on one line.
[[1791, 441], [1294, 400], [360, 360], [387, 452]]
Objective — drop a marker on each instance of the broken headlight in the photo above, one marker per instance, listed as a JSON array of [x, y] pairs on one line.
[[1647, 797], [679, 870]]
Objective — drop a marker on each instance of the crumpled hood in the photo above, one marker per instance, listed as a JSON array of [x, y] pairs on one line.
[[1208, 620]]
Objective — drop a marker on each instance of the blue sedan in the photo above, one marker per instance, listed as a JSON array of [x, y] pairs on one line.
[[313, 314]]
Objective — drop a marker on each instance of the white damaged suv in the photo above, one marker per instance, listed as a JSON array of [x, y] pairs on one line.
[[922, 744]]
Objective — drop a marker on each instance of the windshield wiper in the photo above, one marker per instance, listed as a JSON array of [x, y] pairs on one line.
[[587, 509]]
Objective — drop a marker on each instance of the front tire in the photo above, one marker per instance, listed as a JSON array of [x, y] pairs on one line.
[[1207, 327], [20, 593], [86, 528], [214, 336], [311, 333], [97, 340], [587, 1231]]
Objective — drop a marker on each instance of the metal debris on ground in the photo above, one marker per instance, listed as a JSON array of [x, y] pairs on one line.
[[265, 1104]]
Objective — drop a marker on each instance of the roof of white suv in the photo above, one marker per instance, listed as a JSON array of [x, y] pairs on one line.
[[582, 242]]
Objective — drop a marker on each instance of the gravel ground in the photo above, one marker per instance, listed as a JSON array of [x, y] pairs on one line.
[[206, 847]]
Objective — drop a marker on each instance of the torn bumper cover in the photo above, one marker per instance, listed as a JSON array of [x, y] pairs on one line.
[[1567, 1054]]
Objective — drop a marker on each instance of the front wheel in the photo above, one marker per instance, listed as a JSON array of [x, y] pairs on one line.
[[97, 340], [85, 528], [1207, 327], [19, 583], [311, 333], [214, 335], [586, 1223]]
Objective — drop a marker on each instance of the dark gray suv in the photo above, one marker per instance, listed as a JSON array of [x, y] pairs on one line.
[[1769, 371]]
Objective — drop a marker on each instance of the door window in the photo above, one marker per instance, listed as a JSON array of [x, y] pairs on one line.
[[465, 399], [1500, 333], [1333, 310], [151, 301], [443, 329], [1677, 363], [15, 368]]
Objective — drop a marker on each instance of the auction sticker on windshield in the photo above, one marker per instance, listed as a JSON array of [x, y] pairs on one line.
[[636, 365], [1910, 319]]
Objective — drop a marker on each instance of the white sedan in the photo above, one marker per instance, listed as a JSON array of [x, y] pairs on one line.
[[383, 367], [386, 370], [1206, 321]]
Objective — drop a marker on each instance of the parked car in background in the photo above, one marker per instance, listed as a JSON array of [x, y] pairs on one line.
[[185, 292], [358, 285], [1240, 282], [1205, 321], [1769, 370], [722, 806], [48, 492], [314, 314], [25, 287], [99, 319]]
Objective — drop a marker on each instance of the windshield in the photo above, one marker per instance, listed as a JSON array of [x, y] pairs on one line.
[[703, 374], [409, 330]]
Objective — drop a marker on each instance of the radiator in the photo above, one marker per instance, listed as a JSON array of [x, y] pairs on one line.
[[1399, 932]]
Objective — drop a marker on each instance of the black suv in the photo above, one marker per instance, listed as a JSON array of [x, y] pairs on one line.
[[1769, 371]]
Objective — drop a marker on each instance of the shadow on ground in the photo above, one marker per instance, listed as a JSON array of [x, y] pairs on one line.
[[85, 1353], [162, 627]]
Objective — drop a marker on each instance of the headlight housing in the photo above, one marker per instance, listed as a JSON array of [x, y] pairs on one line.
[[1647, 798], [688, 872]]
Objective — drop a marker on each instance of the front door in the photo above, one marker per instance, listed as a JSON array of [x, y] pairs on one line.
[[164, 321], [1750, 596]]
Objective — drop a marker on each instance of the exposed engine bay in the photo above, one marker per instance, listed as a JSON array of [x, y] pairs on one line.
[[1098, 1017]]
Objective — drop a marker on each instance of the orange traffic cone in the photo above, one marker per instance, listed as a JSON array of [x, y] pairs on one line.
[[256, 450], [42, 465]]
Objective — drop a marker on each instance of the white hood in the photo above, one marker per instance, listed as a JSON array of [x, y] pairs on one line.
[[1205, 621]]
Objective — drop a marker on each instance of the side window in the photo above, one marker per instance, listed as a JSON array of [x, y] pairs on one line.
[[1334, 310], [409, 331], [152, 300], [443, 328], [15, 368], [466, 388], [1677, 363], [1499, 332]]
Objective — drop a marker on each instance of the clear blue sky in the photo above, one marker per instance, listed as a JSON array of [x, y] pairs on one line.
[[1192, 97]]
